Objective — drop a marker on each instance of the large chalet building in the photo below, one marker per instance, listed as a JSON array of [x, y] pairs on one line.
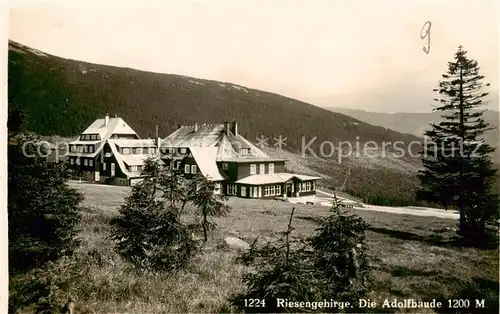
[[237, 166], [110, 151]]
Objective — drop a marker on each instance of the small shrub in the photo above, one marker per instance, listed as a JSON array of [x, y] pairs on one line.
[[148, 232], [333, 264], [281, 270], [341, 255], [48, 289], [43, 210], [208, 203]]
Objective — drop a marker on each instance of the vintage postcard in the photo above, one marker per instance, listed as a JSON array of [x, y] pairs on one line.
[[252, 156]]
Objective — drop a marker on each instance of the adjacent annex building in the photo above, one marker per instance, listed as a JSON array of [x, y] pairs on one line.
[[110, 151]]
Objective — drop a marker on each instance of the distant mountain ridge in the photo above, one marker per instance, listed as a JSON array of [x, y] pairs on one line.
[[417, 123]]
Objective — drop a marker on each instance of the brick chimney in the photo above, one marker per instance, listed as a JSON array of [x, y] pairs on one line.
[[226, 127], [234, 128], [106, 120]]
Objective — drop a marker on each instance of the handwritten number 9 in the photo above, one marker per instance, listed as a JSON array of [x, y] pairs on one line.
[[427, 34]]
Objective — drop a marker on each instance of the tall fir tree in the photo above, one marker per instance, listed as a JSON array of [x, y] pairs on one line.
[[457, 164]]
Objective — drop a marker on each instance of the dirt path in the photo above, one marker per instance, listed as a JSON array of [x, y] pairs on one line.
[[408, 210]]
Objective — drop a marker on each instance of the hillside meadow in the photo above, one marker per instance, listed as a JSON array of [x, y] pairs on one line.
[[413, 258]]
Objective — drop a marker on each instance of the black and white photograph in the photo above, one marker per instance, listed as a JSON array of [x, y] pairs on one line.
[[250, 156]]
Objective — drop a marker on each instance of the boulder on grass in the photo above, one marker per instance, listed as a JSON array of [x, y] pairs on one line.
[[236, 244]]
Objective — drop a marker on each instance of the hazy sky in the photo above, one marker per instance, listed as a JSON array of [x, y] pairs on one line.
[[356, 54]]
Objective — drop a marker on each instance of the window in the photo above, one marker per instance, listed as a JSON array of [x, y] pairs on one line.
[[256, 191], [243, 191], [244, 151], [104, 166], [139, 168], [85, 162], [266, 191], [193, 169], [232, 189], [313, 187], [272, 190], [224, 166], [91, 162], [186, 168], [182, 150], [85, 149], [271, 168], [126, 151], [91, 148], [151, 150], [73, 148], [253, 169], [93, 137], [78, 160], [262, 168], [133, 168], [305, 187], [71, 161], [138, 151], [80, 149]]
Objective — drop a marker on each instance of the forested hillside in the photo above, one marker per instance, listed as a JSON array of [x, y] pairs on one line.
[[60, 96]]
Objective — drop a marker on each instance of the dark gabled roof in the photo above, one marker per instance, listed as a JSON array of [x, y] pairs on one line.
[[213, 135], [206, 135]]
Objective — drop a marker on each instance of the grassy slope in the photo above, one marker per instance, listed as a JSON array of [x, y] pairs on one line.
[[413, 259]]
